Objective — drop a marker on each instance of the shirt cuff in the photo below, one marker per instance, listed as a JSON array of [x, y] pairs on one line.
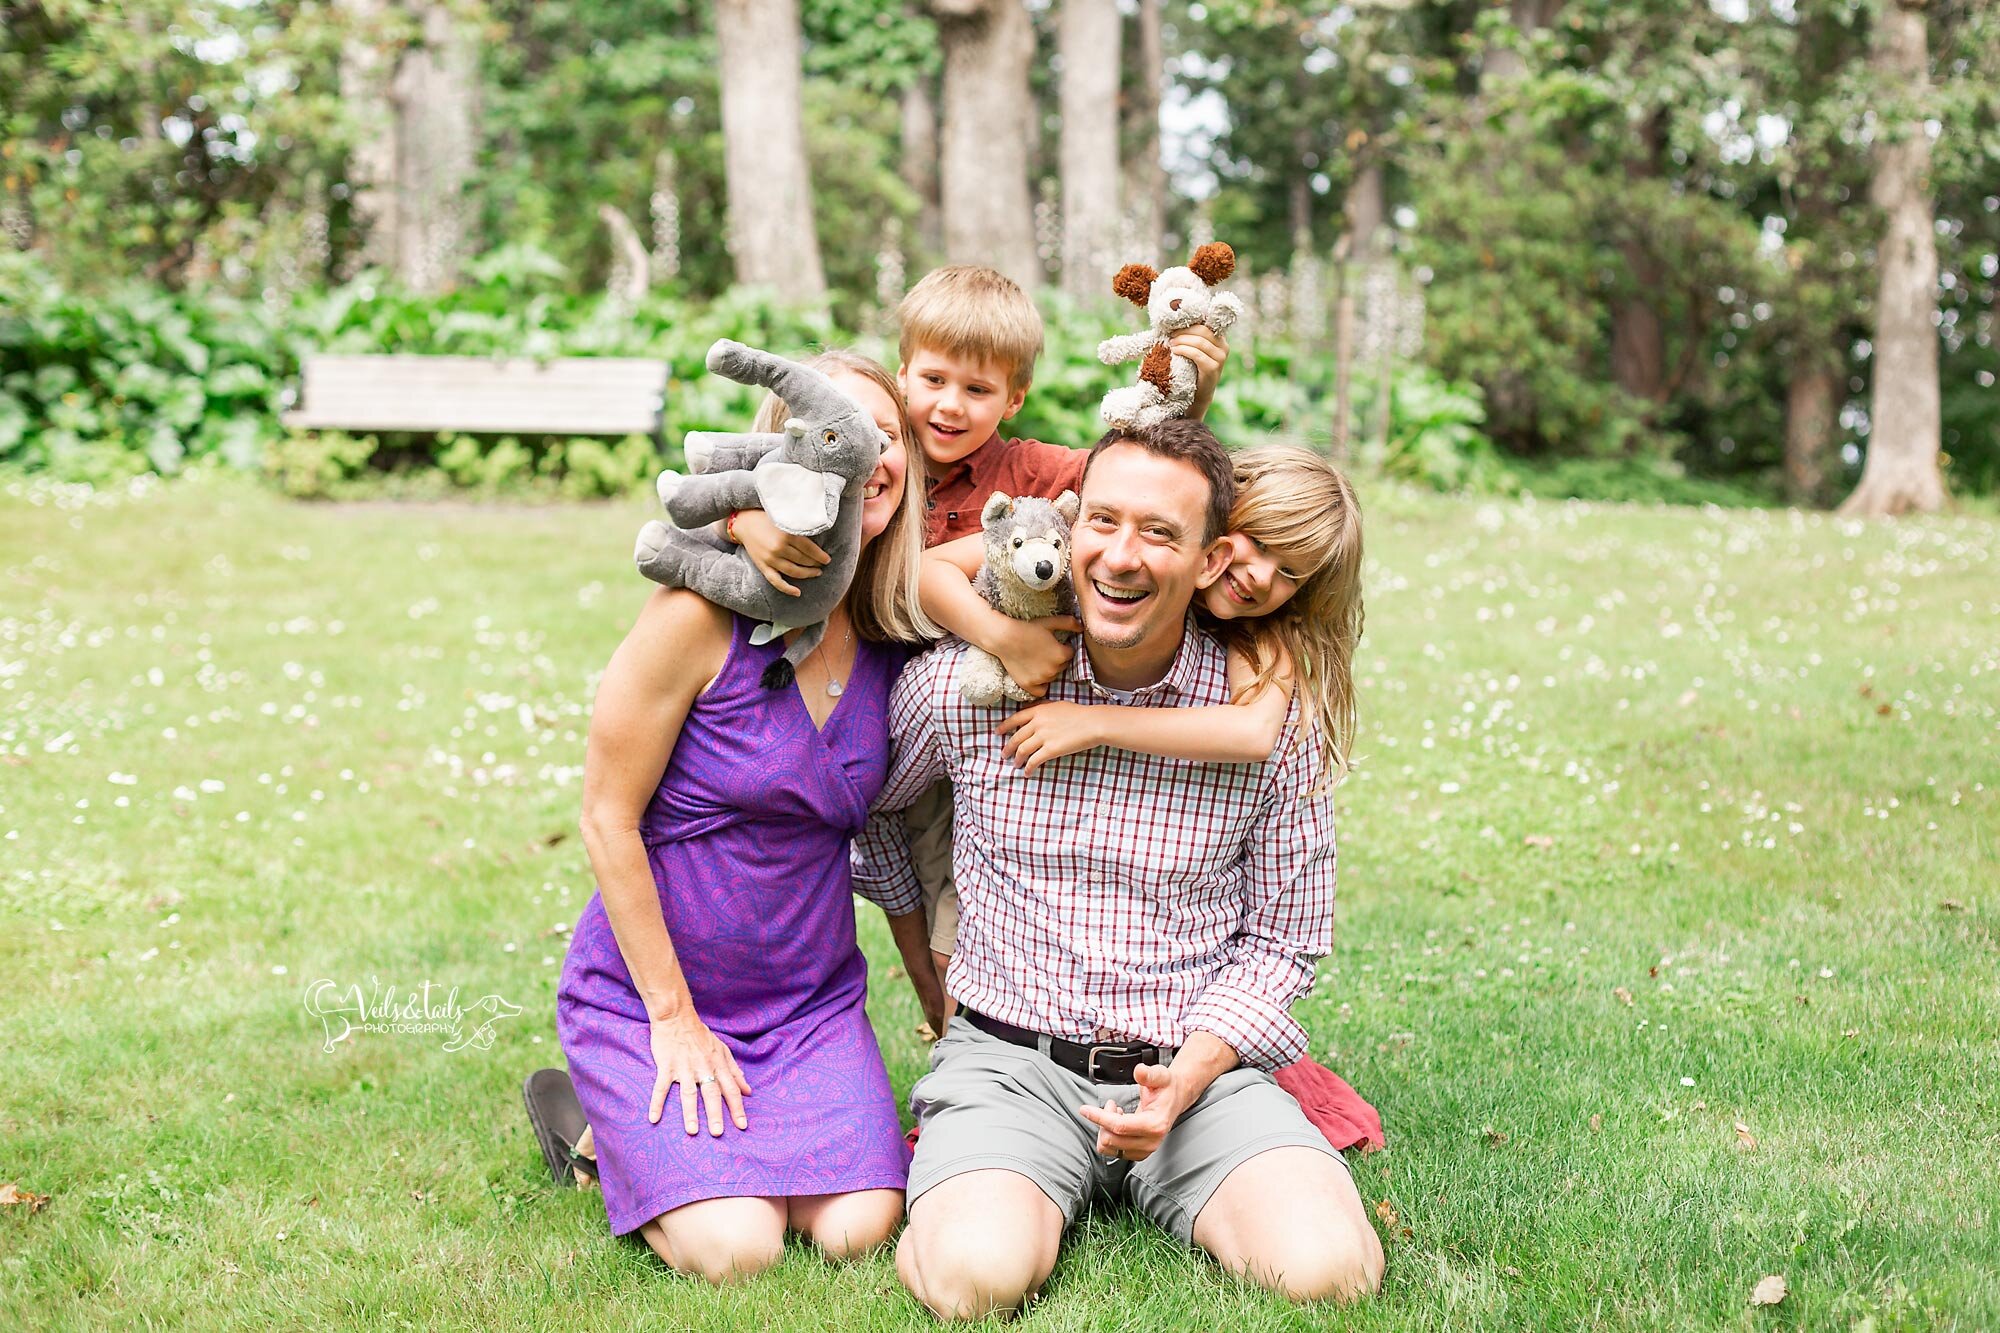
[[1264, 1035], [900, 892]]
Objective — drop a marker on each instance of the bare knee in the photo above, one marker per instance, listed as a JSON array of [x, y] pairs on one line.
[[1291, 1220], [848, 1226], [1336, 1265], [965, 1264], [719, 1245]]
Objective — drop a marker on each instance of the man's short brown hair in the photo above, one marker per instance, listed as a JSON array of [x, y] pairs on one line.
[[1194, 444], [975, 313]]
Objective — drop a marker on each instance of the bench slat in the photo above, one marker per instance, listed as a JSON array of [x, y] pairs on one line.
[[571, 396]]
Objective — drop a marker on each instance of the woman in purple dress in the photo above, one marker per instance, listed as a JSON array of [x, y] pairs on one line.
[[718, 958]]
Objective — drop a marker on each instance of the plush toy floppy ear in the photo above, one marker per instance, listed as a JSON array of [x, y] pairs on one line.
[[1068, 505], [1135, 283], [1213, 262], [998, 505]]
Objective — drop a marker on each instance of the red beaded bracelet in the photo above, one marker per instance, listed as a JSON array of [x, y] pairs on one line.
[[729, 526]]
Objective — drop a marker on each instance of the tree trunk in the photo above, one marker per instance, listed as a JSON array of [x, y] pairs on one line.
[[920, 163], [436, 97], [1902, 470], [1501, 64], [1145, 177], [1812, 402], [988, 211], [771, 235], [1638, 344], [1091, 31], [371, 165], [1365, 210], [631, 270]]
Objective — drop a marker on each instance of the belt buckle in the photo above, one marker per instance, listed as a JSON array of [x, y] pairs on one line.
[[1115, 1050]]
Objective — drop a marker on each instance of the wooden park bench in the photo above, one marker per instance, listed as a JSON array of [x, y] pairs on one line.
[[483, 396]]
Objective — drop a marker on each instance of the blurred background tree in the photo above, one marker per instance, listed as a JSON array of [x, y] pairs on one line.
[[1634, 245]]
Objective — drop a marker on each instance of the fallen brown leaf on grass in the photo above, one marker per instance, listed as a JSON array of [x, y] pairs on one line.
[[1541, 840], [12, 1195], [1952, 905], [1744, 1138], [1768, 1291], [925, 1033], [1624, 996], [1387, 1212], [1597, 1124], [1494, 1137]]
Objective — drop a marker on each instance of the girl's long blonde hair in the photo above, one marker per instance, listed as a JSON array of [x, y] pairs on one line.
[[882, 600], [1293, 501]]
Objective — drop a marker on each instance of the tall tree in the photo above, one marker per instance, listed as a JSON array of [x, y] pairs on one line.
[[1902, 470], [1145, 175], [983, 158], [410, 74], [771, 233], [1090, 38], [919, 159]]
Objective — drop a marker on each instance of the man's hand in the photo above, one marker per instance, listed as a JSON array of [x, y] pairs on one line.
[[1137, 1136], [1044, 731], [1164, 1093], [1208, 350], [777, 555], [1032, 653]]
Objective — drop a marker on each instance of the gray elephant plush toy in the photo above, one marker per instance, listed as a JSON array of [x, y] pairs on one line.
[[1025, 575], [808, 478]]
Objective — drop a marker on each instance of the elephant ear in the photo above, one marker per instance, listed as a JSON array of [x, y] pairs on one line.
[[794, 497], [1068, 505]]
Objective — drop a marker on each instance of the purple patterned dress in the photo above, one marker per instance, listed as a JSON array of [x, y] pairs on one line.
[[748, 838]]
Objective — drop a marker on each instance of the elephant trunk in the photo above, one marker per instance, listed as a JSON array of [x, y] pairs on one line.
[[808, 394]]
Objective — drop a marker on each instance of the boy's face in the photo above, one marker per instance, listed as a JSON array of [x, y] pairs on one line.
[[955, 404]]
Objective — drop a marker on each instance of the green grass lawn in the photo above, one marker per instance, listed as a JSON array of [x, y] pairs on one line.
[[1667, 942]]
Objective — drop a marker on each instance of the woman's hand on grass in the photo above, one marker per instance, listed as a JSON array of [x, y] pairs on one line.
[[779, 556], [1044, 731], [687, 1053]]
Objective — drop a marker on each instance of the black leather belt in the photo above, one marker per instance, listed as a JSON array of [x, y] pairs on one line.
[[1098, 1061]]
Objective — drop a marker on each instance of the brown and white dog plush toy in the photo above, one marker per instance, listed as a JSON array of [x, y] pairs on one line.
[[1177, 299]]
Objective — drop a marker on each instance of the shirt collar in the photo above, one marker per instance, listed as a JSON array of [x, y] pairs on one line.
[[974, 465], [1179, 680]]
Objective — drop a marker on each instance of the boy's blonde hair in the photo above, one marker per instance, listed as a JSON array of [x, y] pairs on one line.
[[882, 600], [1295, 503], [972, 313]]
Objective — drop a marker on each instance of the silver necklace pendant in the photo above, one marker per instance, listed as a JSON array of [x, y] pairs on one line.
[[833, 687]]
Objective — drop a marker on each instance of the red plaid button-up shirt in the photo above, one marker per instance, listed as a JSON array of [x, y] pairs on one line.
[[1017, 467], [1145, 896]]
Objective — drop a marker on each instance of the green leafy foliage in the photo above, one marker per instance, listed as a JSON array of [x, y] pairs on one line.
[[147, 380]]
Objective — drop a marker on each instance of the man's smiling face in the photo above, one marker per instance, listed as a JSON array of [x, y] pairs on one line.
[[1138, 550]]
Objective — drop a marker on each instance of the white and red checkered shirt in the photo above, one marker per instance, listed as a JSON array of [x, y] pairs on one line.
[[1112, 890]]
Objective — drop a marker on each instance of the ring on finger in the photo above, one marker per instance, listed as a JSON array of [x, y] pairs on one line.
[[704, 1079]]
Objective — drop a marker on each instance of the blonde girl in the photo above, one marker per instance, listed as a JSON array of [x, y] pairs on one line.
[[1288, 607]]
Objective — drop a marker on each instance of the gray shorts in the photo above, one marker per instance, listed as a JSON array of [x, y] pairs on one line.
[[929, 823], [987, 1104]]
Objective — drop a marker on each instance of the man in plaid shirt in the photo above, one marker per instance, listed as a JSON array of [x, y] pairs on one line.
[[1133, 932]]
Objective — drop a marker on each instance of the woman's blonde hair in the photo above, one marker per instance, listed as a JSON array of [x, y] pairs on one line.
[[1299, 506], [882, 600]]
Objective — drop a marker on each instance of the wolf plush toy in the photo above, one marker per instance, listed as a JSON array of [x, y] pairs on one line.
[[1178, 299], [808, 479], [1026, 576]]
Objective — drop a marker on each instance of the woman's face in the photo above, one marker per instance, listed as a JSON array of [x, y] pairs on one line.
[[1256, 583], [884, 489]]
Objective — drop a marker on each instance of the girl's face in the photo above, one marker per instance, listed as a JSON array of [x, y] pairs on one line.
[[1256, 583], [883, 492]]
